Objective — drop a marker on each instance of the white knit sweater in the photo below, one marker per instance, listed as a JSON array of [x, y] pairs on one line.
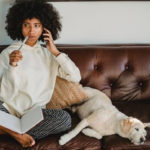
[[32, 82]]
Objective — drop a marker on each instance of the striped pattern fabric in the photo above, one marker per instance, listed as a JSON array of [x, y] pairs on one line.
[[2, 108], [55, 121], [65, 94]]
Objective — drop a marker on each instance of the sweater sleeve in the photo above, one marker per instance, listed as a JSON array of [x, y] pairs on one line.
[[8, 79], [67, 69]]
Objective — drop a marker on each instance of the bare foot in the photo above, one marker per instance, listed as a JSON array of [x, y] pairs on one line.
[[25, 140]]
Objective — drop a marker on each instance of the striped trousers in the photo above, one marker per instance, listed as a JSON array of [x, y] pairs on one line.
[[55, 121]]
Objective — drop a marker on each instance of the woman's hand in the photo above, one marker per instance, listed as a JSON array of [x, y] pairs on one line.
[[50, 42], [15, 57]]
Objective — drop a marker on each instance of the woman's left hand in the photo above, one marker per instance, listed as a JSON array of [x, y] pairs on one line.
[[50, 42]]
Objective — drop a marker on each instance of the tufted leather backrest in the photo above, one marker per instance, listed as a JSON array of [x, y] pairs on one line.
[[122, 72]]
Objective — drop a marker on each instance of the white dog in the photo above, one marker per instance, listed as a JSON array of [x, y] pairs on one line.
[[100, 118]]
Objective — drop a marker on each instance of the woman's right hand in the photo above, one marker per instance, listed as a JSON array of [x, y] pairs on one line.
[[15, 57]]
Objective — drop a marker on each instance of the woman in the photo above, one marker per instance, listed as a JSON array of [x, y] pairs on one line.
[[28, 75]]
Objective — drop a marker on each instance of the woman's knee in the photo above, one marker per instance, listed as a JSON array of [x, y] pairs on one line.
[[60, 118], [56, 121], [66, 120]]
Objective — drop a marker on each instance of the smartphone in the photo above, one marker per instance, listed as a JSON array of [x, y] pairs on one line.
[[42, 36]]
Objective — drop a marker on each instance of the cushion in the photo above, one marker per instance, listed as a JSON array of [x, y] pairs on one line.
[[65, 94]]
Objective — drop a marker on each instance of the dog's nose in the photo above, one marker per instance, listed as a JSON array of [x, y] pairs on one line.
[[141, 140]]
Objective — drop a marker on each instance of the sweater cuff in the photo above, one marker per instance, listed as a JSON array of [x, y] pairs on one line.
[[61, 58], [11, 68]]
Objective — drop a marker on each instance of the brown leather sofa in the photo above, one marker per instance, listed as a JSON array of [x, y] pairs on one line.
[[120, 71]]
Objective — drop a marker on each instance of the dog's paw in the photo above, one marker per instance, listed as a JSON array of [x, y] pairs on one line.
[[64, 139]]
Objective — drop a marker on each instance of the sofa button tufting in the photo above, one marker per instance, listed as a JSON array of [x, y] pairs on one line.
[[140, 84], [111, 84], [126, 67], [96, 67]]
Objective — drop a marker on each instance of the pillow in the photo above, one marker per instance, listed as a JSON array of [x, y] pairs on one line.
[[65, 94]]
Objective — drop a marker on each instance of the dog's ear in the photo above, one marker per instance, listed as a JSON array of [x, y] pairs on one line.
[[146, 125], [126, 125]]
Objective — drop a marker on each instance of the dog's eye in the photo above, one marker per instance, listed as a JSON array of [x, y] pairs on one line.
[[136, 129]]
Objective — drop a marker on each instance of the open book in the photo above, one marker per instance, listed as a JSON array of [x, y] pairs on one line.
[[23, 124]]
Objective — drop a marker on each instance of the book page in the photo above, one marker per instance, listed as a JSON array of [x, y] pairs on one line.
[[9, 121], [31, 118]]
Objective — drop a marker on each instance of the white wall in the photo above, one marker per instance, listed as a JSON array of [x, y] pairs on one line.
[[96, 22]]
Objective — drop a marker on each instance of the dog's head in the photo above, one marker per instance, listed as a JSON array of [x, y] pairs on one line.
[[134, 129]]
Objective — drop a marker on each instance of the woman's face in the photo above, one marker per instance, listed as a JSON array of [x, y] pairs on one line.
[[33, 29]]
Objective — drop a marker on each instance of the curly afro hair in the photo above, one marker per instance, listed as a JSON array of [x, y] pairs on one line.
[[28, 9]]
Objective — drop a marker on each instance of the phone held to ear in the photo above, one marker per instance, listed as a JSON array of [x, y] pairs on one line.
[[43, 36]]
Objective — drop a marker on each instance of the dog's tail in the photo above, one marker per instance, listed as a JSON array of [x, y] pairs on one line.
[[146, 125], [67, 137]]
